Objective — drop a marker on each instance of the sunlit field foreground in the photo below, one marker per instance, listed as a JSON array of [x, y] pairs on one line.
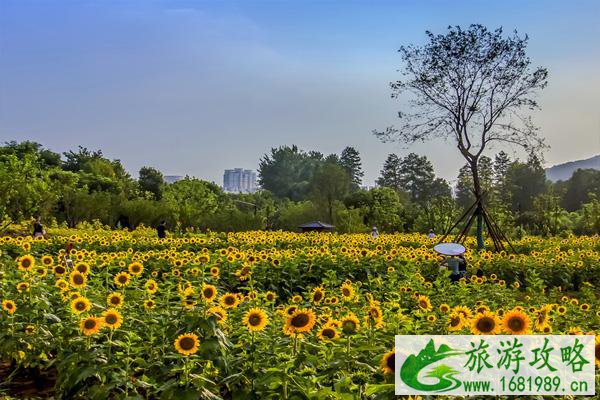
[[265, 314]]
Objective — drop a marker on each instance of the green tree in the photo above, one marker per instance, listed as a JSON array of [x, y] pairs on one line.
[[473, 86], [350, 161], [464, 188], [385, 209], [287, 172], [501, 166], [588, 222], [190, 201], [151, 180], [525, 181], [330, 184], [390, 174], [579, 189], [24, 188], [550, 217]]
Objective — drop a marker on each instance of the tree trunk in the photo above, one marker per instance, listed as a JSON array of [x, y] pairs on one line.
[[478, 198]]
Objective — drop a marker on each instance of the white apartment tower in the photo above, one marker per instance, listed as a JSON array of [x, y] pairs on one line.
[[239, 180]]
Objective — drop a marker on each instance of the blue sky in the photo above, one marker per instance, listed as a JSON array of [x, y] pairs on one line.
[[194, 87]]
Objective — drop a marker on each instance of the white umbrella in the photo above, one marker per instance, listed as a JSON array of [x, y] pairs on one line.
[[450, 249]]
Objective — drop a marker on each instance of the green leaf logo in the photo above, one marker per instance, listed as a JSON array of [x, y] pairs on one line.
[[413, 365]]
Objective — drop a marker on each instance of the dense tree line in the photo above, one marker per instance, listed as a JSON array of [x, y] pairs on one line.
[[297, 186]]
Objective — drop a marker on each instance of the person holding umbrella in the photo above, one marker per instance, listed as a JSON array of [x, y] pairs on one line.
[[455, 259]]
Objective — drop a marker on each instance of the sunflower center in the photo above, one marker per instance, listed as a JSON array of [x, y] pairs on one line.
[[391, 362], [78, 279], [80, 306], [318, 296], [122, 279], [254, 320], [346, 292], [89, 324], [59, 270], [111, 319], [516, 324], [115, 300], [328, 333], [26, 263], [423, 304], [597, 351], [454, 321], [187, 343], [486, 324], [229, 300], [208, 293], [349, 326], [9, 306], [300, 320]]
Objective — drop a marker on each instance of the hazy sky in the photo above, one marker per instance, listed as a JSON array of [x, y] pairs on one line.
[[195, 87]]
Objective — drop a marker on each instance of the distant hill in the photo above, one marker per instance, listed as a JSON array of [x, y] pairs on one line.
[[172, 178], [562, 172]]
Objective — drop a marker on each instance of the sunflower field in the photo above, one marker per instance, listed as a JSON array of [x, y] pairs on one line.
[[265, 315]]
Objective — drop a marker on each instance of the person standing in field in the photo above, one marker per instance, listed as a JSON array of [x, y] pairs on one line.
[[38, 229], [374, 233], [431, 234], [161, 230]]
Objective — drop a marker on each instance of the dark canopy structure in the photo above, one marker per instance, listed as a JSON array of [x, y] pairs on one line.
[[478, 211], [316, 226]]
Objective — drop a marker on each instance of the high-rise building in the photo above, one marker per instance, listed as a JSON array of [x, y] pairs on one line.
[[239, 180]]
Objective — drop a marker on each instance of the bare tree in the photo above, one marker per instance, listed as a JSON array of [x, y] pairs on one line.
[[474, 87]]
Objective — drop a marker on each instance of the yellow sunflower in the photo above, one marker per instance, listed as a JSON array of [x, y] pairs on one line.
[[424, 303], [209, 292], [317, 295], [77, 280], [23, 287], [26, 262], [455, 322], [187, 344], [115, 300], [328, 333], [270, 296], [59, 270], [135, 268], [347, 291], [350, 324], [90, 325], [485, 323], [122, 279], [301, 320], [80, 305], [151, 286], [9, 306], [515, 322], [62, 285], [255, 320], [47, 261], [148, 304], [219, 313], [112, 318], [83, 268], [229, 300], [464, 311], [388, 362]]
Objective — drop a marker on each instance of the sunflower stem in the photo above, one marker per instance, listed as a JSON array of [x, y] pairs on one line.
[[295, 345]]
